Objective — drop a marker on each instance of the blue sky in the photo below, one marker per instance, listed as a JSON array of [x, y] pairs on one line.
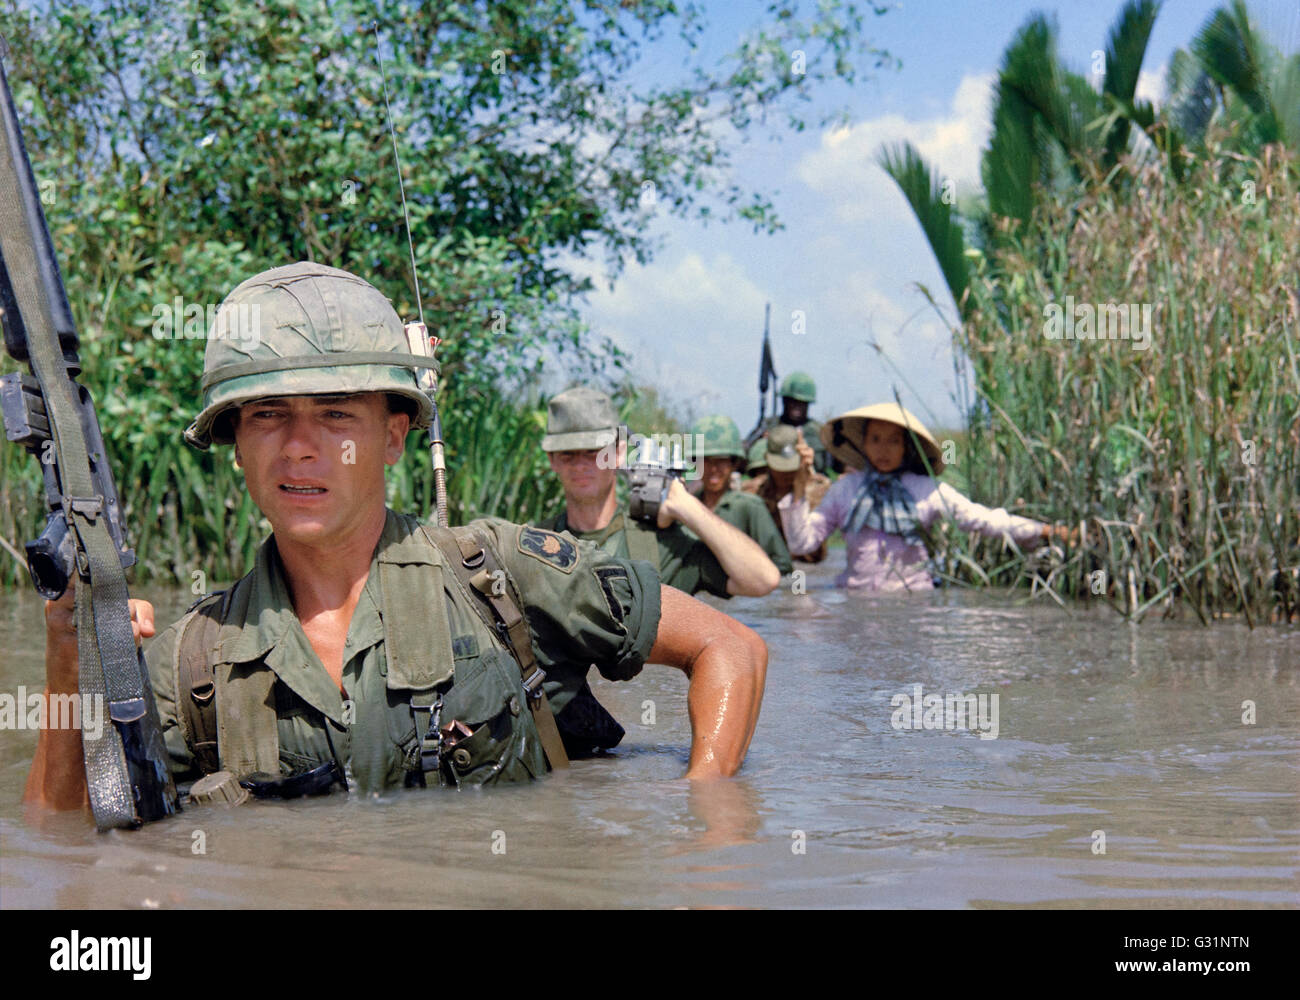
[[851, 252]]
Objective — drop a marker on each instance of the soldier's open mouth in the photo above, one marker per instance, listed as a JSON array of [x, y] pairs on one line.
[[302, 490]]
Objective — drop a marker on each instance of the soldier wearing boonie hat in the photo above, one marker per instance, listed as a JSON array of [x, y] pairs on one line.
[[366, 649], [798, 392], [776, 479], [693, 549]]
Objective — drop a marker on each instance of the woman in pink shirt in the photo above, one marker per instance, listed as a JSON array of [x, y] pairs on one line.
[[884, 506]]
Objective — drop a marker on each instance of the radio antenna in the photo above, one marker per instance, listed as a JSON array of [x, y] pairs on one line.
[[417, 334], [401, 185]]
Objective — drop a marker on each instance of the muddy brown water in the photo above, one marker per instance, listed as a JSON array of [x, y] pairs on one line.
[[1131, 733]]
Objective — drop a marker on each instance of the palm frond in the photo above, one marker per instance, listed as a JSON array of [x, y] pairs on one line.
[[922, 188]]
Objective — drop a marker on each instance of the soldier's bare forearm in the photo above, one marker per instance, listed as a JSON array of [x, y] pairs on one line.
[[57, 779], [58, 776], [727, 666]]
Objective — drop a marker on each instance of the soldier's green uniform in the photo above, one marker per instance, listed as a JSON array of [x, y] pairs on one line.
[[418, 646], [801, 386], [718, 437], [682, 560], [582, 606], [581, 419]]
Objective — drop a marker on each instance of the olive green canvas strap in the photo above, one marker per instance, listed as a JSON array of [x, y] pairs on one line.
[[642, 543], [196, 706], [476, 566]]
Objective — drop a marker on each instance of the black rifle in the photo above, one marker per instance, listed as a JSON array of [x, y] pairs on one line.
[[766, 378], [52, 416]]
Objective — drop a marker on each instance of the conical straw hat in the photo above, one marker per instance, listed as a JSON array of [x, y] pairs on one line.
[[843, 434]]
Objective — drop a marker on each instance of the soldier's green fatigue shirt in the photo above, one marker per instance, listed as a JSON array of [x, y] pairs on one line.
[[749, 513], [596, 609], [812, 435], [684, 561]]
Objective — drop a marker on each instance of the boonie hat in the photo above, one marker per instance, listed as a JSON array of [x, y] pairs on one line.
[[843, 435], [781, 453], [303, 329], [579, 420]]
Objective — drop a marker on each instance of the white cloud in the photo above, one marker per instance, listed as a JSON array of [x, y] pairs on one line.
[[844, 167], [1151, 85]]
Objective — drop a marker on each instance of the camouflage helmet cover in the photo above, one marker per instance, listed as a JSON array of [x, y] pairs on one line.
[[303, 329], [717, 437], [799, 385]]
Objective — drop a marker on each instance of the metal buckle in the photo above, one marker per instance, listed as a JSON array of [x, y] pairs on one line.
[[533, 684], [91, 507]]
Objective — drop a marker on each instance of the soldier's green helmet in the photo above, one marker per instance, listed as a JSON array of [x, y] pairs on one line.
[[304, 329], [757, 459], [717, 437], [799, 385]]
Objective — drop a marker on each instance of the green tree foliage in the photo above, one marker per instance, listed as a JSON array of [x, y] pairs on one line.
[[183, 145]]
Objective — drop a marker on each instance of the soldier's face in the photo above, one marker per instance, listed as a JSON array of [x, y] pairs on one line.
[[796, 410], [314, 465], [717, 474], [783, 481], [581, 473], [883, 445]]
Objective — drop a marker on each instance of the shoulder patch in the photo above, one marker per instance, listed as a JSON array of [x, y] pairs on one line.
[[552, 549], [607, 575]]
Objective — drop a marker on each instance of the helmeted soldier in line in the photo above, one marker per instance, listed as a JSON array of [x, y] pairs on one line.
[[798, 392], [720, 456], [368, 649], [586, 452]]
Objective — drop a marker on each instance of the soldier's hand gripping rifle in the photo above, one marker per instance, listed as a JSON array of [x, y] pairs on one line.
[[52, 416]]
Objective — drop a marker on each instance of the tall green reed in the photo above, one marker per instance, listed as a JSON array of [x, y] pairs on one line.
[[1182, 461]]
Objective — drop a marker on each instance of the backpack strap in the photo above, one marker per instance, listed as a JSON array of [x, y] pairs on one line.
[[196, 707], [477, 568]]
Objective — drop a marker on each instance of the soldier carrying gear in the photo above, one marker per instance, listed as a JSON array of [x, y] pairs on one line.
[[587, 449], [774, 473], [720, 455], [366, 648], [798, 391]]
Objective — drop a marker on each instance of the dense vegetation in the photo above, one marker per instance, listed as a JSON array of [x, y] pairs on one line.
[[1182, 459], [183, 145]]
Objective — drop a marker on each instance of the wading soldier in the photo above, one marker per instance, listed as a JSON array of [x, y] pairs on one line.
[[774, 462], [798, 392], [586, 451], [720, 456], [366, 648]]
